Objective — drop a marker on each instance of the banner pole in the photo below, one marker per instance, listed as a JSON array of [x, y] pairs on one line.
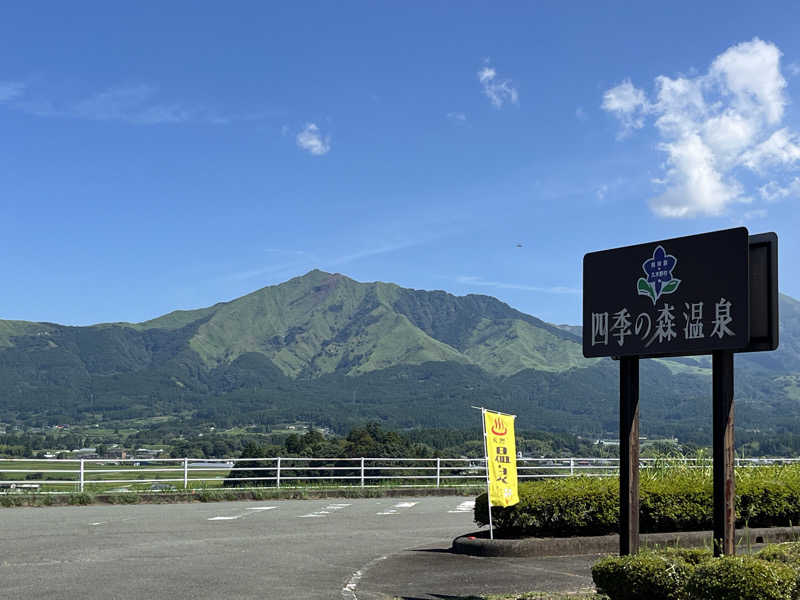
[[488, 482]]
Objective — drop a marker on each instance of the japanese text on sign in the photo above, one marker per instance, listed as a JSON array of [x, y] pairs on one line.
[[614, 328]]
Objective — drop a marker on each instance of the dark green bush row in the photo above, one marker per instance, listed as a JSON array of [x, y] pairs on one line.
[[676, 574], [677, 500]]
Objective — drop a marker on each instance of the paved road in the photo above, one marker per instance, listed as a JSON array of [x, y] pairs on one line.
[[353, 549]]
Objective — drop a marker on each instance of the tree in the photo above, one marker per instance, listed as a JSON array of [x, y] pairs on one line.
[[250, 469]]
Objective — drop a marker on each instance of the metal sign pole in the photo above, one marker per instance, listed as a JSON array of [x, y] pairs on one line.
[[724, 481], [488, 483], [629, 455]]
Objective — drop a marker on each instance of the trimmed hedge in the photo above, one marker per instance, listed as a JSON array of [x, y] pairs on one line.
[[644, 575], [670, 500], [742, 578], [679, 574]]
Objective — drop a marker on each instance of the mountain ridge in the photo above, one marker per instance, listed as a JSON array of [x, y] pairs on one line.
[[328, 348]]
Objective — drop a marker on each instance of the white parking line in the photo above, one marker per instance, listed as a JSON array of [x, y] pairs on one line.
[[464, 507], [325, 511], [393, 510], [240, 515]]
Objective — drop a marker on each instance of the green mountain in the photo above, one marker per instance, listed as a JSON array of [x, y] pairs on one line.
[[326, 348]]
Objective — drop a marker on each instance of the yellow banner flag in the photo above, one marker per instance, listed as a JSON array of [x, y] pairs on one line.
[[501, 450]]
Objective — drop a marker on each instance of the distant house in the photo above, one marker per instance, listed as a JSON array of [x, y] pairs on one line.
[[147, 453], [116, 453], [85, 453]]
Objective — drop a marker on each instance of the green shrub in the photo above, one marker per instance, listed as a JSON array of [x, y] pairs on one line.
[[742, 578], [787, 553], [644, 576], [558, 507], [762, 502], [681, 503], [692, 556], [671, 499], [81, 499]]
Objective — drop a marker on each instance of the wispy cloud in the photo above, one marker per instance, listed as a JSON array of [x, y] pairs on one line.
[[137, 104], [499, 91], [374, 251], [774, 191], [580, 114], [754, 214], [293, 261], [9, 90], [312, 140], [477, 281], [713, 125], [459, 117]]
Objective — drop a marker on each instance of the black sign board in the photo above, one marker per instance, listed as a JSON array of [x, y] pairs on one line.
[[715, 293], [682, 296]]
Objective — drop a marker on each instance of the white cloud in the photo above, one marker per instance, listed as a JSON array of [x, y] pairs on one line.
[[457, 116], [694, 186], [779, 149], [311, 139], [628, 103], [773, 191], [750, 72], [499, 91], [601, 192], [711, 126], [9, 90], [794, 69]]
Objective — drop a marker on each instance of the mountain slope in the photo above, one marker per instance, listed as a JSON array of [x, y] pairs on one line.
[[323, 347], [322, 323]]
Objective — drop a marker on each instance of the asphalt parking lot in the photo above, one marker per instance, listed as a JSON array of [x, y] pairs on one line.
[[366, 549]]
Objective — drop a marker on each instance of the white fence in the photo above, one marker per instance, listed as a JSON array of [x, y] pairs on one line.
[[165, 474]]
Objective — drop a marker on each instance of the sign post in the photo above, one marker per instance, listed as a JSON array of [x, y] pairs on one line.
[[714, 293], [629, 455], [722, 444]]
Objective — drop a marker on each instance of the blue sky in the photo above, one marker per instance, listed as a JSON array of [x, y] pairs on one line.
[[156, 156]]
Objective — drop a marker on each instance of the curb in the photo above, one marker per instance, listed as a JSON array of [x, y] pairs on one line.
[[476, 544], [220, 495]]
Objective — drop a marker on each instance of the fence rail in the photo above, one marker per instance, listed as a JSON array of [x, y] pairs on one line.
[[165, 474]]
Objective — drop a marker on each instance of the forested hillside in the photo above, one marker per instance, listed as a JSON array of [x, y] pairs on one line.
[[329, 350]]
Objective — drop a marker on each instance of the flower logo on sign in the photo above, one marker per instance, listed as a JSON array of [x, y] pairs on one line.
[[659, 280], [499, 428]]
